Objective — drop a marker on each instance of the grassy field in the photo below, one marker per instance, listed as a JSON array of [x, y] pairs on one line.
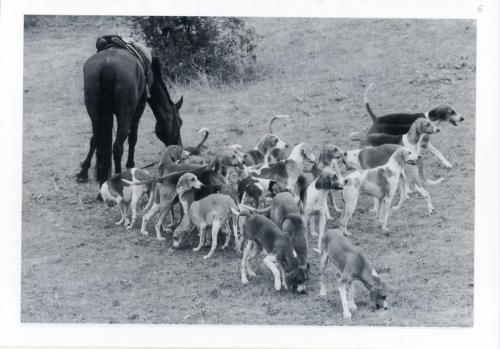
[[77, 266]]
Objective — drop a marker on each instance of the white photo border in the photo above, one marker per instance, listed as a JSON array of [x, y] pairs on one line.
[[484, 332]]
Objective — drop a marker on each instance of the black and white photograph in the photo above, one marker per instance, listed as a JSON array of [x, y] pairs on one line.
[[247, 168], [272, 170]]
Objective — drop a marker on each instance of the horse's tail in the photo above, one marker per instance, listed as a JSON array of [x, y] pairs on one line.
[[103, 129]]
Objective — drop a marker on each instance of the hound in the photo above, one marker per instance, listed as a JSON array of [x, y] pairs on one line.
[[165, 192], [412, 177], [380, 182], [213, 211], [114, 190], [286, 214], [252, 190], [351, 264], [330, 158], [288, 171], [260, 233], [265, 145], [414, 138], [313, 197], [400, 123]]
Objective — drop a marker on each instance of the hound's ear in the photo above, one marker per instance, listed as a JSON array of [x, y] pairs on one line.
[[178, 105], [433, 114], [322, 182], [399, 156]]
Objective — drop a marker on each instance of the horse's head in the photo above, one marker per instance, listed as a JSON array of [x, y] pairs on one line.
[[168, 122]]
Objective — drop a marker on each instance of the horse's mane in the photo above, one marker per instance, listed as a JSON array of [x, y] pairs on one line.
[[156, 68]]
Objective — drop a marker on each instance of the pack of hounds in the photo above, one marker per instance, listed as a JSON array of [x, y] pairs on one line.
[[270, 197]]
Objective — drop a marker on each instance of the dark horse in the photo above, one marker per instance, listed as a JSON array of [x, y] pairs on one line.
[[115, 84]]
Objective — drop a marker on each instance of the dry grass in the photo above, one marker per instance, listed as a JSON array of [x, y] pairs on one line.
[[78, 267]]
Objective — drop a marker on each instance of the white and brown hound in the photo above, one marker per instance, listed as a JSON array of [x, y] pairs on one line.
[[380, 182], [314, 198], [413, 176], [351, 264], [212, 211], [286, 214], [260, 233], [265, 145], [287, 171]]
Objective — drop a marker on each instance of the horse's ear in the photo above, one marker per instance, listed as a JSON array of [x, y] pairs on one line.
[[156, 66], [178, 105]]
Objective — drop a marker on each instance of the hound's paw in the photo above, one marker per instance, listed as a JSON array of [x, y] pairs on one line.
[[144, 232], [196, 249], [313, 233], [317, 250], [160, 238], [322, 293], [207, 256], [277, 287], [347, 315], [431, 212], [352, 307], [251, 273], [244, 281], [130, 226], [120, 222], [447, 165]]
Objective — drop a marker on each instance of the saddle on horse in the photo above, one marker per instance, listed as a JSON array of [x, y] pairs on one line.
[[136, 49]]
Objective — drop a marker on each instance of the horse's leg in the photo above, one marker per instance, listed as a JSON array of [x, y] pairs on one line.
[[83, 175], [132, 136], [123, 120]]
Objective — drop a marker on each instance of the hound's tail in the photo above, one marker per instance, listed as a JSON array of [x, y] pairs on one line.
[[274, 118], [149, 165], [207, 132], [356, 136], [245, 208], [422, 175], [367, 103], [159, 179], [300, 187], [152, 197]]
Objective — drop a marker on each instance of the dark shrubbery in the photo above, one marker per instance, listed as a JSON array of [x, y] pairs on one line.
[[215, 49]]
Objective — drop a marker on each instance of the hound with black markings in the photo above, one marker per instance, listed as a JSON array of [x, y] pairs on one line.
[[265, 145], [329, 158], [400, 123], [313, 197], [351, 264], [126, 196]]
